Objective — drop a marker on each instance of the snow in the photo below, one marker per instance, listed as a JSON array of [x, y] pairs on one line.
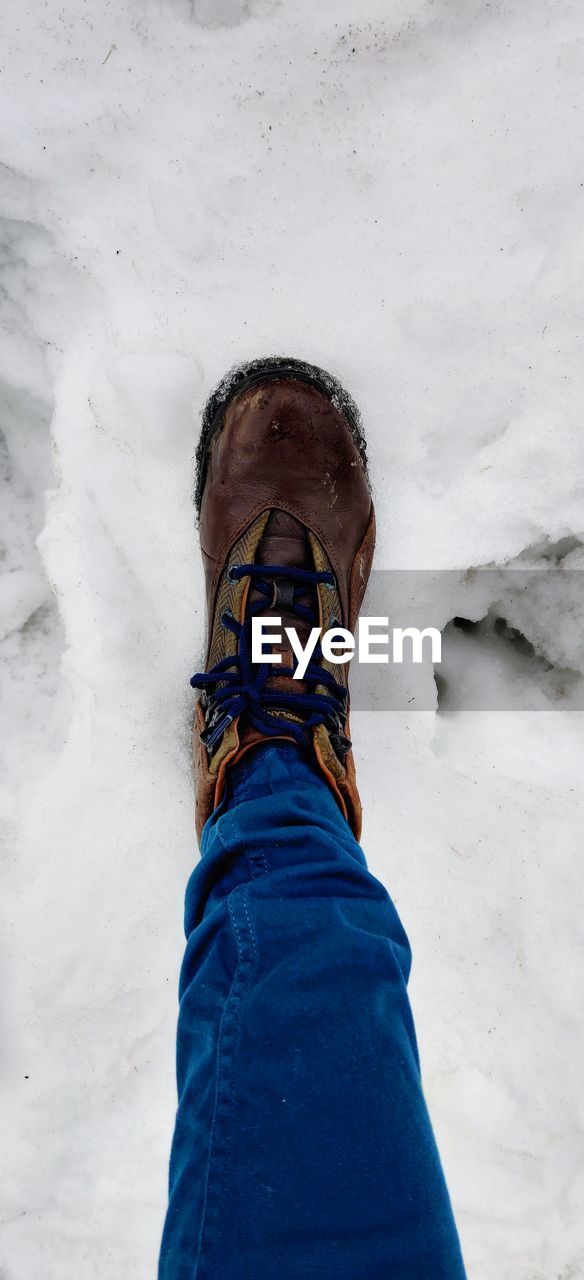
[[393, 191]]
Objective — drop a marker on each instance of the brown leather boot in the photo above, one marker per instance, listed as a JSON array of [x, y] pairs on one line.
[[287, 530]]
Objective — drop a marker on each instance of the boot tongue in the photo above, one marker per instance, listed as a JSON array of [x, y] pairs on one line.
[[285, 543]]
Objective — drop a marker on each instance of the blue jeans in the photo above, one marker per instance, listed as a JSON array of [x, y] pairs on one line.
[[302, 1145]]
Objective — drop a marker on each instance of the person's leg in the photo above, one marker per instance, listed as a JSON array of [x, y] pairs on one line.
[[303, 1145]]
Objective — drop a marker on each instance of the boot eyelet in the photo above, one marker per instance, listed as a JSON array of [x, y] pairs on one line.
[[226, 617], [231, 575], [330, 586]]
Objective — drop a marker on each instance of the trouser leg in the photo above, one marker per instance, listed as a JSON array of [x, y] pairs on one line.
[[302, 1145]]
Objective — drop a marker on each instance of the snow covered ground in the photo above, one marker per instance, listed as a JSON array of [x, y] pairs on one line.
[[394, 191]]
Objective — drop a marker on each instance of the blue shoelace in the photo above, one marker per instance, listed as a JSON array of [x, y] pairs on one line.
[[237, 685]]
